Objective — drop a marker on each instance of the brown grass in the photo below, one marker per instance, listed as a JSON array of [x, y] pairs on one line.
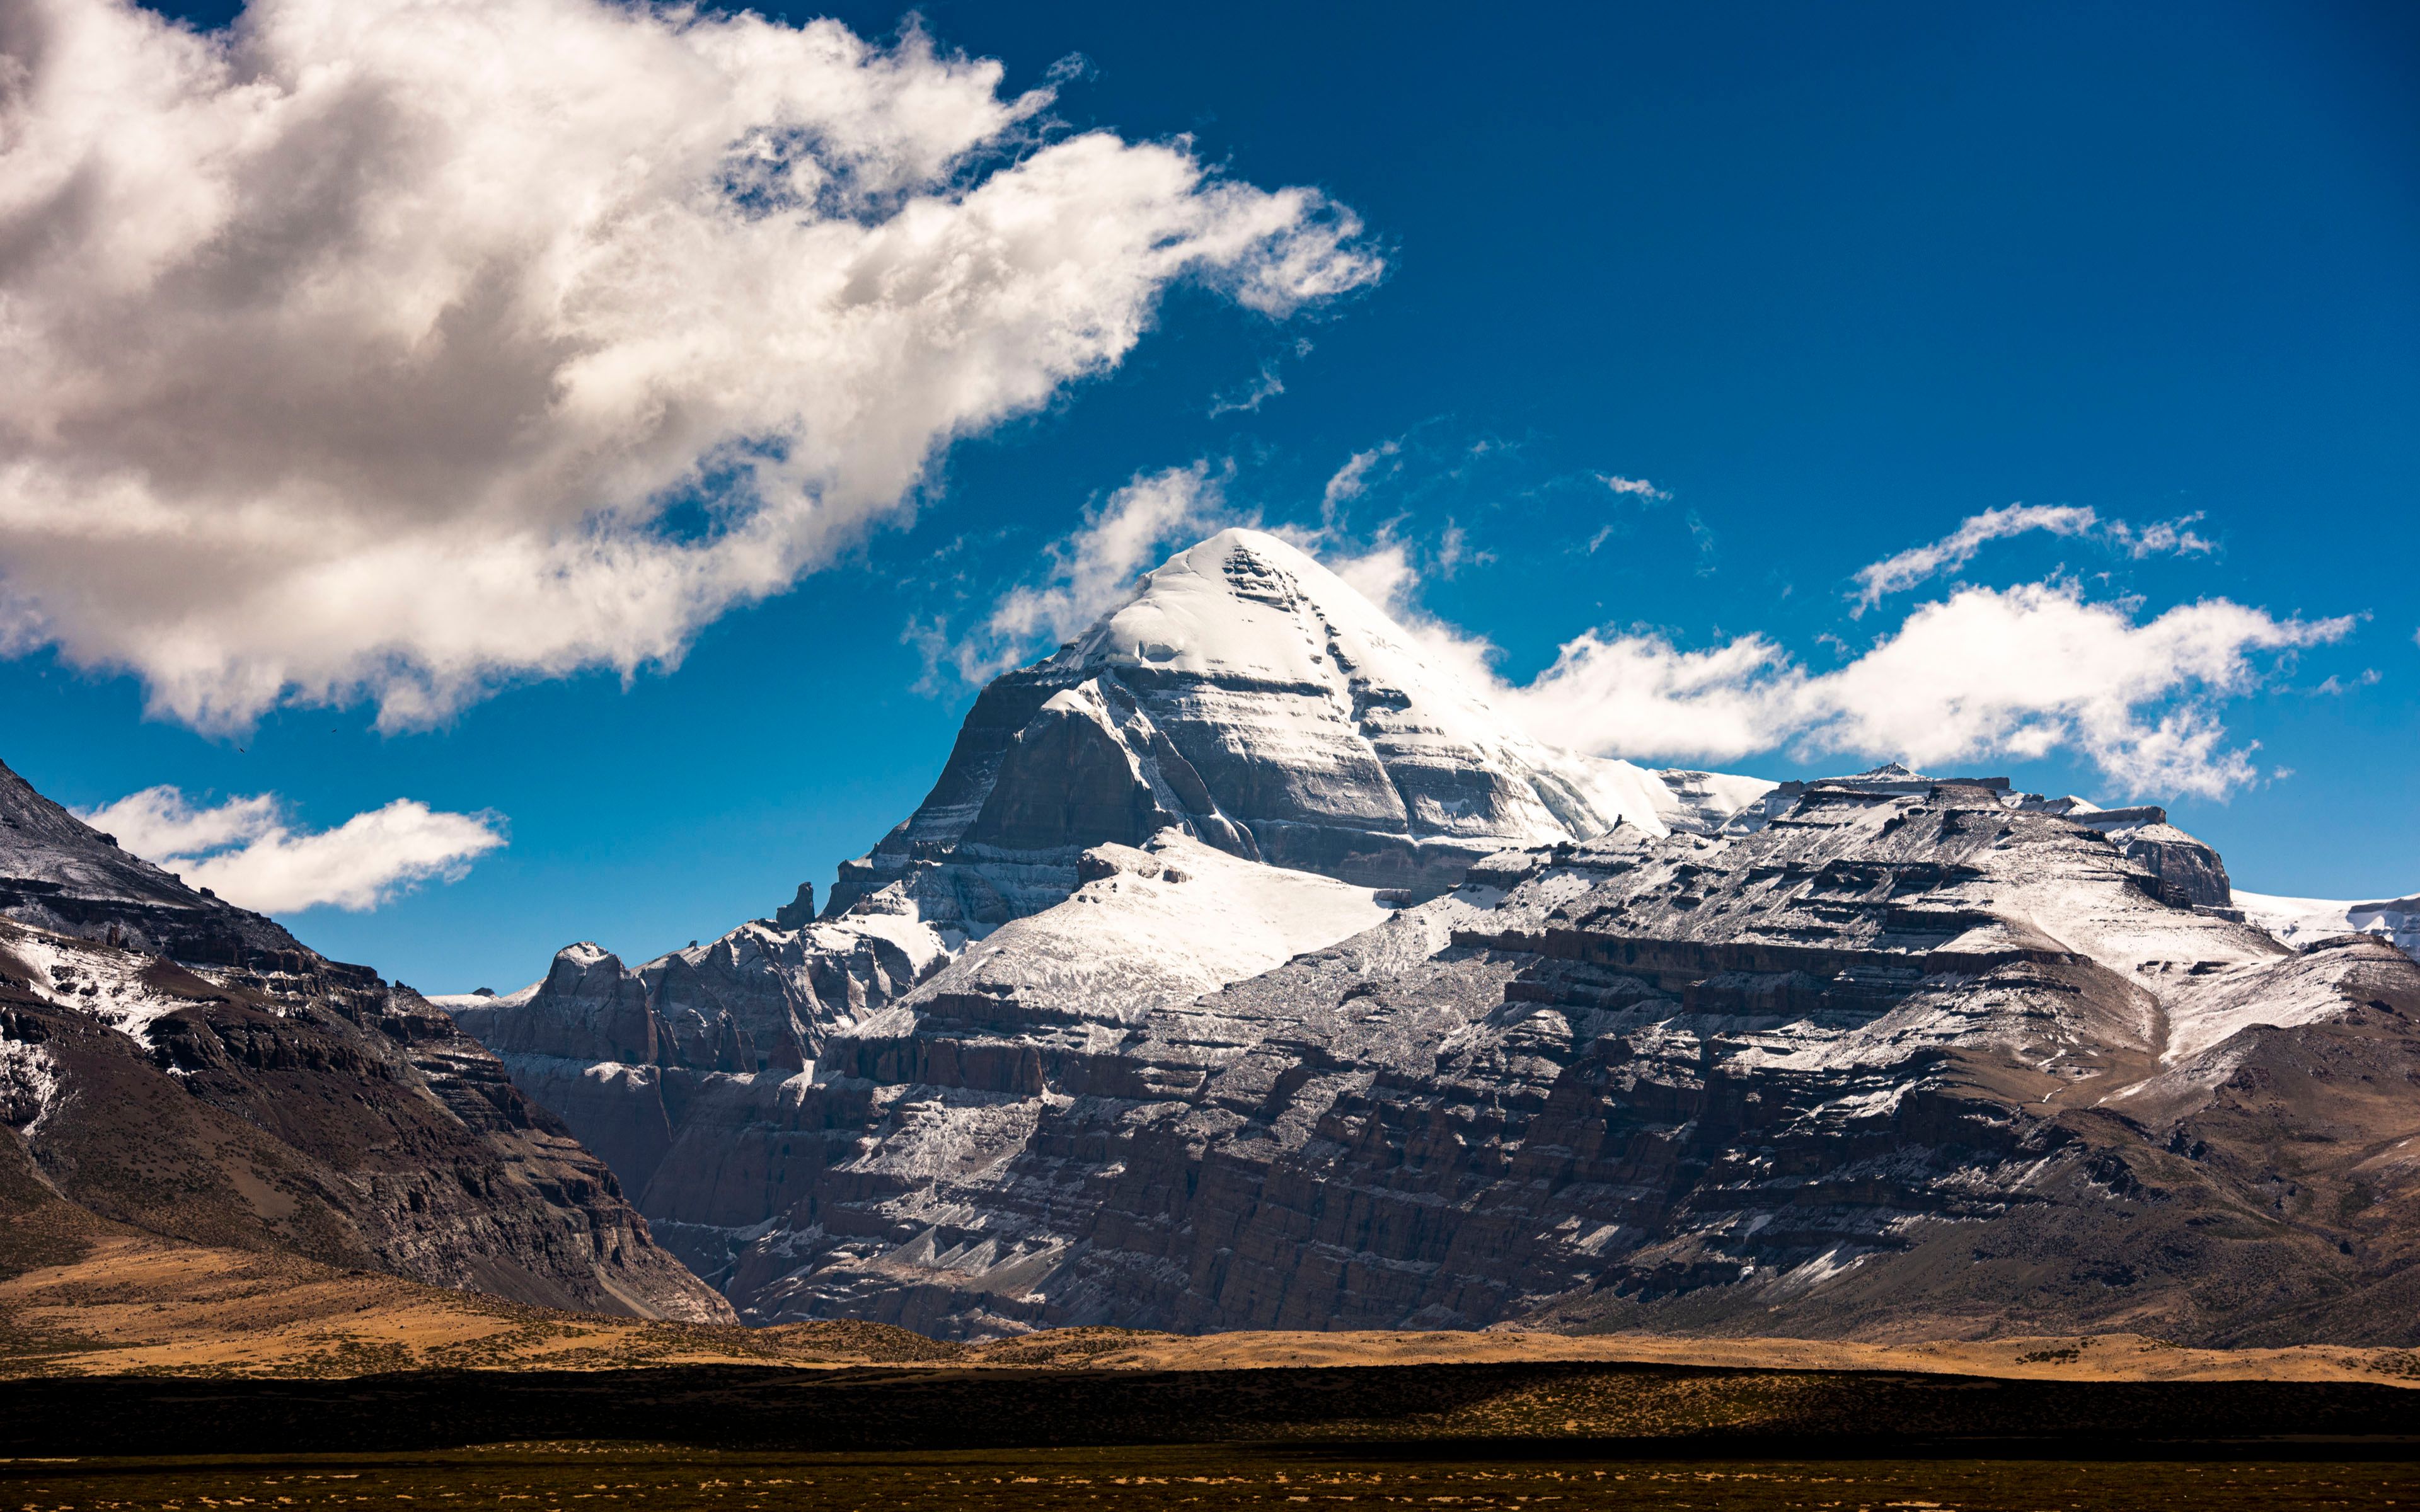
[[133, 1305]]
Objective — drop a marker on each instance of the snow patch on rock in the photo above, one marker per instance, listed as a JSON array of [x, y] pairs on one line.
[[102, 984], [29, 1086], [451, 1001], [1160, 923], [1245, 605]]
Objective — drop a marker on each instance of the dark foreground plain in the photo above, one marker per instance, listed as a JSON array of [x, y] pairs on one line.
[[661, 1478], [1547, 1406], [1525, 1436]]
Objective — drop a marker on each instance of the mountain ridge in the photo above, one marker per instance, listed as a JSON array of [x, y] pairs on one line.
[[176, 1064], [2307, 921]]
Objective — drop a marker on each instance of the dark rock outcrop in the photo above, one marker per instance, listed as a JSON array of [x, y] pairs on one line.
[[2188, 873], [800, 911], [2184, 871], [59, 873], [174, 1063]]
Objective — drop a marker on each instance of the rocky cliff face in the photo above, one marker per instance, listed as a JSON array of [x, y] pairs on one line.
[[177, 1064], [2185, 872], [638, 1063], [60, 874]]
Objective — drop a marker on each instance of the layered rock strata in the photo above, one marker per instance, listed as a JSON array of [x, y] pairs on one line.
[[1897, 1063], [642, 1063], [172, 1062]]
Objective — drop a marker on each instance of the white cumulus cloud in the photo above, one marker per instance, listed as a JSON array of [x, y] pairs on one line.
[[1988, 673], [2014, 672], [394, 349], [1919, 564], [249, 852]]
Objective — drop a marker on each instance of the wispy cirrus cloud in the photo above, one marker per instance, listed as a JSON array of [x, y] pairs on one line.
[[248, 851], [378, 348], [1091, 570], [1352, 479], [1267, 384], [1248, 398], [1919, 564], [1637, 488]]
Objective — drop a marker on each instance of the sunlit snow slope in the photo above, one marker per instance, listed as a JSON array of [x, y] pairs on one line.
[[2302, 920]]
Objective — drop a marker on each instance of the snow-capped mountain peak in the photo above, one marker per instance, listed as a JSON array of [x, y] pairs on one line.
[[1246, 604], [1246, 607], [1248, 696]]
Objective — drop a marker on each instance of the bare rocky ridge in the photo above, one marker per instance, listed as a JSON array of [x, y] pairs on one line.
[[176, 1064], [58, 873], [658, 1069], [1532, 1039]]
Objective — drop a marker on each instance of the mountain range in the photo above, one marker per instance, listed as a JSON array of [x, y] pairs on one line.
[[1245, 970]]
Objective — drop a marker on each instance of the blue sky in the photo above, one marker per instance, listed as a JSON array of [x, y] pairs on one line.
[[1833, 279]]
